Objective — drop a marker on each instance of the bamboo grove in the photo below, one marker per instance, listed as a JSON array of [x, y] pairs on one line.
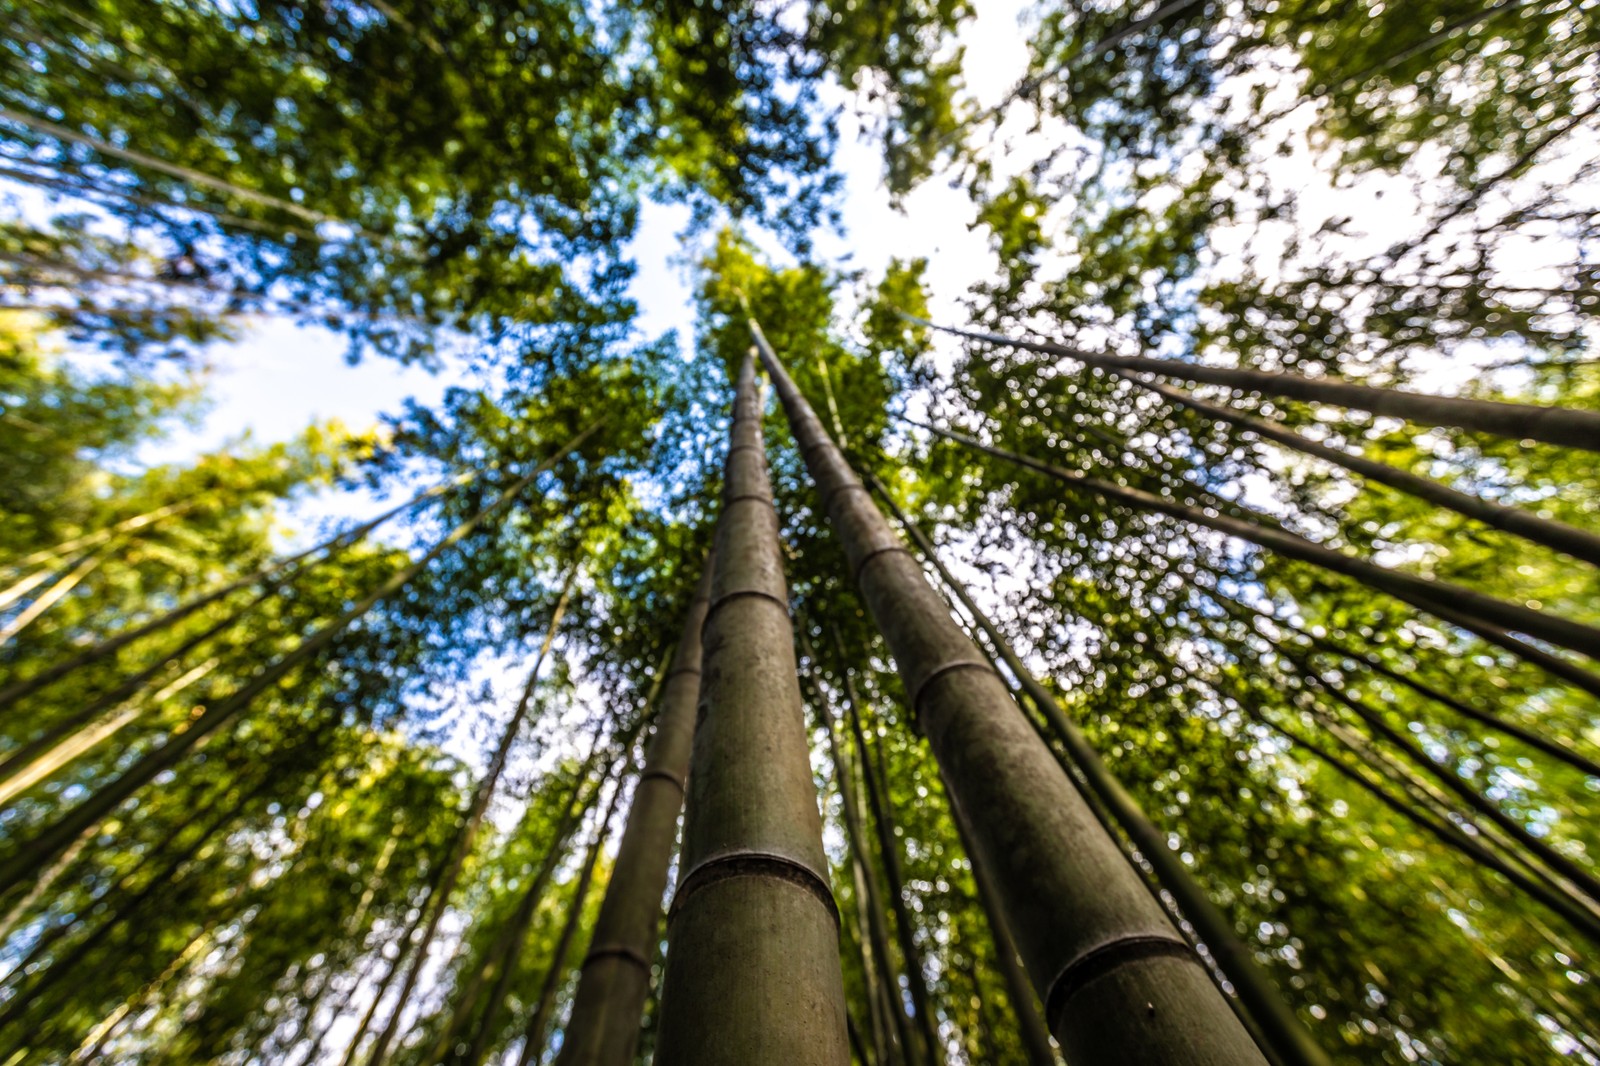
[[1173, 640]]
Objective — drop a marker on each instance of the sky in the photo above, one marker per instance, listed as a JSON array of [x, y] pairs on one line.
[[280, 376]]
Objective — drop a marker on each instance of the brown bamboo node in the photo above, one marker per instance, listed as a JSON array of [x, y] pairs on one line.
[[747, 448], [680, 670], [738, 594], [752, 862], [665, 775], [1105, 958], [615, 951], [838, 490], [807, 449], [758, 497], [873, 554], [948, 668]]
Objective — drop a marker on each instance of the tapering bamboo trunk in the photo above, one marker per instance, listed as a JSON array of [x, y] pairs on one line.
[[1024, 1004], [877, 922], [1471, 610], [1119, 983], [614, 982], [536, 1030], [37, 852], [1288, 1037], [1568, 427], [871, 968], [752, 972], [931, 1045], [1578, 543], [476, 811]]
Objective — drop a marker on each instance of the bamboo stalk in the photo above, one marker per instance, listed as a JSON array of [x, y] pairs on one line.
[[1093, 939], [752, 970], [1567, 427]]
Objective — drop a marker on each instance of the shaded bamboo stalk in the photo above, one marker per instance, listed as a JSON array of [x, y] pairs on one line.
[[1283, 1030], [870, 890], [1093, 939], [1568, 427], [752, 970], [1024, 1004], [614, 980], [877, 786], [534, 1033]]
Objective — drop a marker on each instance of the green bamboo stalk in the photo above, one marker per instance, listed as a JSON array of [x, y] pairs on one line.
[[1283, 1030], [1472, 610], [614, 980], [1568, 427], [752, 971], [1119, 982]]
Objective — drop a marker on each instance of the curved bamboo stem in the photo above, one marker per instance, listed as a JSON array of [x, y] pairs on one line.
[[1567, 427], [1472, 610]]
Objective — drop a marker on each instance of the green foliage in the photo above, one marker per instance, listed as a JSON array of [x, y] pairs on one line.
[[468, 174]]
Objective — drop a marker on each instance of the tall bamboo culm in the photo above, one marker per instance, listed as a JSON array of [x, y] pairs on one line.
[[1119, 983], [1564, 426], [753, 973], [1289, 1039], [615, 980]]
